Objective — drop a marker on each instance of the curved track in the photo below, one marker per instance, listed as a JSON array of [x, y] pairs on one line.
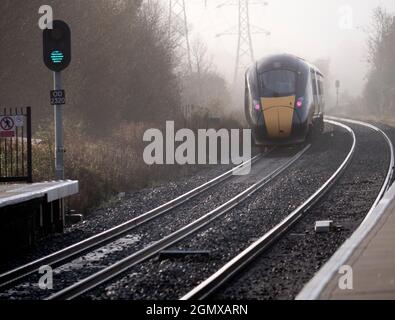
[[218, 279], [210, 285], [316, 285], [116, 269], [388, 178]]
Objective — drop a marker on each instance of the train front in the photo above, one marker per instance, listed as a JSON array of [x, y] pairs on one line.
[[278, 104]]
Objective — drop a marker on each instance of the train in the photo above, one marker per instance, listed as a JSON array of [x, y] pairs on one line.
[[284, 100]]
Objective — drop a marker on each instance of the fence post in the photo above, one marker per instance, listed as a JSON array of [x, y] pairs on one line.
[[29, 145]]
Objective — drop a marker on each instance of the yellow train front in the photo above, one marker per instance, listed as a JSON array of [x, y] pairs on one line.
[[284, 100]]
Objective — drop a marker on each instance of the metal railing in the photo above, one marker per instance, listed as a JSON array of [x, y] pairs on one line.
[[15, 145]]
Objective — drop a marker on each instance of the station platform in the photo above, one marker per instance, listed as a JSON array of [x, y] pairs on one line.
[[11, 194], [370, 252], [29, 212]]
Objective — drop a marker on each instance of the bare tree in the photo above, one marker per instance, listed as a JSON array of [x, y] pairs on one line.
[[201, 63], [379, 91], [122, 68], [378, 31]]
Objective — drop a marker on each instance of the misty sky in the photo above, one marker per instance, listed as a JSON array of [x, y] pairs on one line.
[[311, 29]]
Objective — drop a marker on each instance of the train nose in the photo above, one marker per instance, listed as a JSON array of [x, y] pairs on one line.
[[278, 114]]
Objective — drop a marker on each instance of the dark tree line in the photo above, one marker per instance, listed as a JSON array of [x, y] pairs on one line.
[[380, 88], [122, 68]]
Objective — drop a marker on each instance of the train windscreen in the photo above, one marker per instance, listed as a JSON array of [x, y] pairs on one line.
[[278, 83]]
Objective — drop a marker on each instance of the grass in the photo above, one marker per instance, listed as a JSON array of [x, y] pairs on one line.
[[109, 165], [103, 166]]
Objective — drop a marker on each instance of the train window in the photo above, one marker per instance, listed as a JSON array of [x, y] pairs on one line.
[[278, 83]]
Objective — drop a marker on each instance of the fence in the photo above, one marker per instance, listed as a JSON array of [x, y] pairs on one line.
[[15, 145]]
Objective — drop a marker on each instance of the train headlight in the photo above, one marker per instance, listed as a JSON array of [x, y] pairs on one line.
[[299, 103], [257, 105]]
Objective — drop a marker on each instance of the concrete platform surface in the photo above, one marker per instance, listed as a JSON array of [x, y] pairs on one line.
[[11, 194], [370, 253]]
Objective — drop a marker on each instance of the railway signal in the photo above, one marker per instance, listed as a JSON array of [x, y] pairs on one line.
[[57, 57], [57, 46]]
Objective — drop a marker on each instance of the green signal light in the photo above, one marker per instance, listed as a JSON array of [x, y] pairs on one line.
[[57, 56]]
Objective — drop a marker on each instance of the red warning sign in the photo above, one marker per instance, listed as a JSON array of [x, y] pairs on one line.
[[7, 127]]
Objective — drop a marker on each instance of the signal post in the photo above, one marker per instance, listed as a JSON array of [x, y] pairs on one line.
[[57, 57]]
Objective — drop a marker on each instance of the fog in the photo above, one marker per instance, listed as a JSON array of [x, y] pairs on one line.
[[308, 28], [331, 30], [127, 75]]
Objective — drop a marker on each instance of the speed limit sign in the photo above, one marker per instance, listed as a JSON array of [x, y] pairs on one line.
[[58, 97]]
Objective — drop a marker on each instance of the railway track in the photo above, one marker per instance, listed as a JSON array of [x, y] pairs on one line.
[[210, 285], [388, 179], [229, 270], [164, 278], [154, 249], [12, 277]]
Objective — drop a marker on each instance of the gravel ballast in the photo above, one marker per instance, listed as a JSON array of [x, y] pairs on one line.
[[117, 211], [227, 236], [156, 229], [170, 278], [283, 270]]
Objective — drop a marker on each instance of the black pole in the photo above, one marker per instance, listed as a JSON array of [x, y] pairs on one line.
[[29, 145]]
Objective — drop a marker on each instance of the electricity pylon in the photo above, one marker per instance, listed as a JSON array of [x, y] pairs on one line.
[[244, 32], [178, 28]]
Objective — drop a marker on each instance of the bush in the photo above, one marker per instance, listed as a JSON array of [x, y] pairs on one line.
[[104, 167]]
